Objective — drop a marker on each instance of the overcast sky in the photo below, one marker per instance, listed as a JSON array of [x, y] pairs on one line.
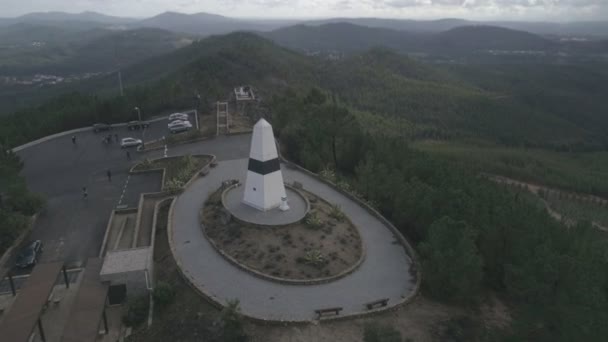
[[554, 10]]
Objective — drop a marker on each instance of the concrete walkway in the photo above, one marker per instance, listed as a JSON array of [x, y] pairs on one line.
[[383, 274]]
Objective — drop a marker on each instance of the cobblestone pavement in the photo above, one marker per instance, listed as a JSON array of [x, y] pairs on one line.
[[383, 274]]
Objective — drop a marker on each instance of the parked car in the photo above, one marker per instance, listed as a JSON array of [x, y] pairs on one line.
[[98, 127], [130, 142], [178, 116], [180, 127], [179, 122], [134, 125], [28, 256]]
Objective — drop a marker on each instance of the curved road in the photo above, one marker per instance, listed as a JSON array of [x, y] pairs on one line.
[[383, 274]]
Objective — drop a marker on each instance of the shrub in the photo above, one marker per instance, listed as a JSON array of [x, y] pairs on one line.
[[336, 213], [26, 203], [174, 184], [381, 333], [231, 323], [146, 164], [328, 174], [313, 221], [315, 258], [137, 311], [163, 294]]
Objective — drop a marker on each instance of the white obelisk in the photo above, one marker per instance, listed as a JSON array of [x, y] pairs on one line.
[[264, 188]]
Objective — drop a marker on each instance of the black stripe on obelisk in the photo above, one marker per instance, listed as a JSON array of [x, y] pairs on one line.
[[264, 167]]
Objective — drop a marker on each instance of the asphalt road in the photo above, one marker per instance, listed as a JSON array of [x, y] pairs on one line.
[[384, 273], [71, 227]]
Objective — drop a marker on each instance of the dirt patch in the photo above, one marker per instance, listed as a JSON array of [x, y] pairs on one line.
[[240, 123], [322, 245], [415, 321]]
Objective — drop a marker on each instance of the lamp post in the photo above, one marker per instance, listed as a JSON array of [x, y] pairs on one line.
[[198, 108], [142, 128]]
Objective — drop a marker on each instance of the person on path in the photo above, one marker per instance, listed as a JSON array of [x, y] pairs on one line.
[[85, 193], [116, 137], [128, 155], [74, 139], [109, 173]]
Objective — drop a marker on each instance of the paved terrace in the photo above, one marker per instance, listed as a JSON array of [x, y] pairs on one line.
[[383, 274]]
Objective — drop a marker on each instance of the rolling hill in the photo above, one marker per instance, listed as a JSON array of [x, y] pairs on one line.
[[479, 42], [481, 102], [204, 24]]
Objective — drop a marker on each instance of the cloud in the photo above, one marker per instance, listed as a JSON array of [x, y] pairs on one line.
[[488, 3], [473, 9]]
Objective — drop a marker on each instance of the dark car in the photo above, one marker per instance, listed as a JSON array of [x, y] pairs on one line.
[[29, 254], [134, 125], [98, 127]]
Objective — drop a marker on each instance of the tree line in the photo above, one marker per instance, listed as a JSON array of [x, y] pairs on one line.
[[17, 204]]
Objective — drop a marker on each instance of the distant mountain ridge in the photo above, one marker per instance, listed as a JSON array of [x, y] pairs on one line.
[[207, 24], [350, 38]]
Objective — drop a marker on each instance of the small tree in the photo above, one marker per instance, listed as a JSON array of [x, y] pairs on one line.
[[452, 266], [232, 323], [163, 294], [137, 311]]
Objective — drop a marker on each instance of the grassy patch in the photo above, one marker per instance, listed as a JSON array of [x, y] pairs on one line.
[[579, 210], [583, 172], [179, 170]]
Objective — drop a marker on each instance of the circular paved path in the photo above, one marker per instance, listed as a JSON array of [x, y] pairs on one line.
[[383, 274]]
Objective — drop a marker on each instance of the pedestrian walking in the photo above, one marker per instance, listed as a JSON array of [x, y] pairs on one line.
[[74, 139], [85, 193], [116, 137], [109, 173], [128, 155]]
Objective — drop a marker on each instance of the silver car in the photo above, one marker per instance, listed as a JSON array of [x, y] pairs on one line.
[[130, 142], [180, 127]]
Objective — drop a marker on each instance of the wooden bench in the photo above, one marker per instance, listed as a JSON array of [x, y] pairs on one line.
[[326, 312], [376, 304]]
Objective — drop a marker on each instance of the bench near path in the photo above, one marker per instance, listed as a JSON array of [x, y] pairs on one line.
[[385, 272]]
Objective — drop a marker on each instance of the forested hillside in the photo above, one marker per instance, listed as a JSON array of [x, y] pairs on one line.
[[473, 235], [16, 203], [546, 106], [353, 121], [480, 43]]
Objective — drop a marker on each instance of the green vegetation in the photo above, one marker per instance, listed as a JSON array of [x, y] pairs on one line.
[[396, 94], [17, 204], [578, 210], [336, 213], [163, 294], [452, 265], [381, 333], [354, 120], [137, 311], [583, 171], [179, 170], [313, 221], [231, 324], [472, 234]]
